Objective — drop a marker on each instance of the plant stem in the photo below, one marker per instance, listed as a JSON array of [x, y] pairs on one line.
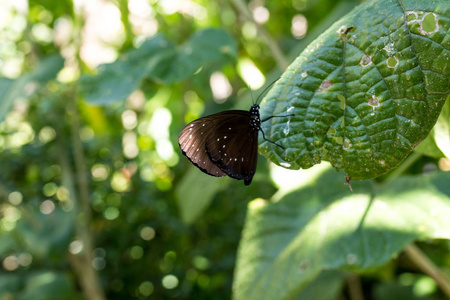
[[428, 267], [82, 263], [124, 12], [354, 287], [278, 55], [77, 185]]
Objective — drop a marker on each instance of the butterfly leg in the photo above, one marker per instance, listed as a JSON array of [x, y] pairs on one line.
[[266, 139], [266, 119]]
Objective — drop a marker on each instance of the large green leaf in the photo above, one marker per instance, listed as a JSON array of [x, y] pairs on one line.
[[366, 92], [323, 226], [160, 60], [27, 84]]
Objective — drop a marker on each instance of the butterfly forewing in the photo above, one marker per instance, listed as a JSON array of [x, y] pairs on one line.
[[233, 145], [192, 141]]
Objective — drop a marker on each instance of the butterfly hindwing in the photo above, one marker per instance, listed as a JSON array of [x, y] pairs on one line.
[[192, 141], [233, 145]]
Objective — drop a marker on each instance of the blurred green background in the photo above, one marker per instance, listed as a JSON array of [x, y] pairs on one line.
[[99, 199]]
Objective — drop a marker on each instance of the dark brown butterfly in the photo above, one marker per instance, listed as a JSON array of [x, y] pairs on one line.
[[225, 143]]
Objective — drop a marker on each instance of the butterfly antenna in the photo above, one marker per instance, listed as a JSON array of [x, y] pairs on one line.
[[251, 94], [265, 90]]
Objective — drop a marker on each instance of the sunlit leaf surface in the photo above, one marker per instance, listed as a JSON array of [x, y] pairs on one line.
[[366, 92]]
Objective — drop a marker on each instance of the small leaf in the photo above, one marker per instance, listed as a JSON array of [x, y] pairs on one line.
[[366, 92], [159, 60], [27, 84], [116, 81], [323, 226]]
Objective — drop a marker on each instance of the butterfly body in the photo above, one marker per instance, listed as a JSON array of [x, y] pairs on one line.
[[224, 144]]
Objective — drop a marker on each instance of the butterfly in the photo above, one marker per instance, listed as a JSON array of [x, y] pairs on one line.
[[225, 143]]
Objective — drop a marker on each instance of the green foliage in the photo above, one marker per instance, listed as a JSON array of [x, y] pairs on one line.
[[90, 155], [287, 243], [195, 192], [28, 84], [366, 92], [159, 60]]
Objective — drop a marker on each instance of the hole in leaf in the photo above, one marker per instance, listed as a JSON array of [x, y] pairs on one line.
[[390, 49], [429, 24], [392, 62], [366, 60], [324, 86], [346, 145], [374, 102], [411, 17]]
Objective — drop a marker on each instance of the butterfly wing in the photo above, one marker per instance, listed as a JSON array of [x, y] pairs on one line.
[[233, 145], [192, 141]]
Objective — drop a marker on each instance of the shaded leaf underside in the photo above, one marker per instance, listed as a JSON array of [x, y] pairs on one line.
[[366, 92], [325, 226]]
